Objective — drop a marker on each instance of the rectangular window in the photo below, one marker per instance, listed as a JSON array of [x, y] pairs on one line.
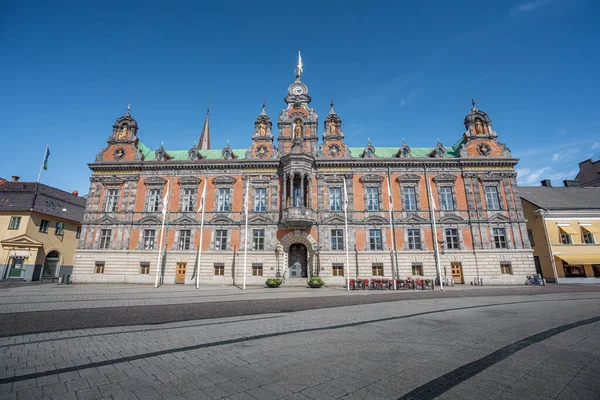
[[335, 199], [499, 238], [574, 271], [149, 235], [188, 200], [14, 223], [377, 269], [224, 200], [491, 198], [144, 268], [588, 237], [78, 233], [260, 199], [221, 239], [565, 238], [452, 239], [112, 198], [409, 198], [258, 239], [185, 236], [375, 239], [337, 239], [99, 267], [505, 268], [417, 269], [414, 239], [59, 229], [44, 225], [105, 235], [538, 265], [337, 269], [257, 270], [219, 269], [154, 201], [372, 199], [596, 269], [530, 236], [446, 200]]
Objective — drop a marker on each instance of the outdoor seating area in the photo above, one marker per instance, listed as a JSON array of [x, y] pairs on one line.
[[388, 284]]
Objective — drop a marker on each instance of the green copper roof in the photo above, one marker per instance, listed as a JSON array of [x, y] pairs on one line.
[[390, 152], [182, 155]]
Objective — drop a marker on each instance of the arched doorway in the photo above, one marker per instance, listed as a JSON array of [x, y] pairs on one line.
[[298, 261], [51, 265]]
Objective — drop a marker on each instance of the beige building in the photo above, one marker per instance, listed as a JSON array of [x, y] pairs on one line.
[[39, 230], [563, 224]]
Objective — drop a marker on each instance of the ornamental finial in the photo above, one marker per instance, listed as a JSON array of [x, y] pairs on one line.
[[332, 110], [473, 103], [300, 67], [128, 109], [264, 108]]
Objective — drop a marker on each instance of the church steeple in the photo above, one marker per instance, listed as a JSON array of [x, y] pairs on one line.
[[204, 142]]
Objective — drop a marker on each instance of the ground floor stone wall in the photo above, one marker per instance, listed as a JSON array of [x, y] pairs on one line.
[[227, 267]]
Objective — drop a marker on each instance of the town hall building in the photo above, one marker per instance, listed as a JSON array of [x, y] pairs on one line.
[[296, 219]]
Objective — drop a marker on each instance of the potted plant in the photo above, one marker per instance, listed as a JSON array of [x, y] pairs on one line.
[[273, 282], [315, 282]]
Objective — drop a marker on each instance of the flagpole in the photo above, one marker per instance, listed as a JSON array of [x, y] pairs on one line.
[[246, 234], [43, 162], [203, 205], [165, 205], [434, 228], [392, 227], [346, 234]]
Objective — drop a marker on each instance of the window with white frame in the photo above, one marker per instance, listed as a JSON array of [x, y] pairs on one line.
[[337, 269], [260, 199], [414, 239], [499, 236], [565, 238], [506, 268], [78, 233], [112, 198], [337, 239], [188, 199], [149, 235], [417, 269], [335, 199], [377, 269], [154, 201], [409, 198], [372, 199], [44, 225], [375, 239], [185, 236], [105, 236], [144, 268], [492, 200], [588, 237], [221, 239], [446, 200], [14, 223], [258, 239], [59, 229], [452, 242], [224, 199], [257, 269], [99, 267], [219, 269]]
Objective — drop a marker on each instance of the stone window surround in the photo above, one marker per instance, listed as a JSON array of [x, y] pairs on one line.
[[223, 182], [154, 183], [461, 243], [328, 180], [367, 228], [446, 180], [111, 183], [490, 181], [421, 236], [213, 238], [343, 239], [254, 237], [264, 186], [372, 181], [507, 236], [178, 234], [188, 182], [409, 181]]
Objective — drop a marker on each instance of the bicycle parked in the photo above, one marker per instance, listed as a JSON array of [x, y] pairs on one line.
[[535, 280]]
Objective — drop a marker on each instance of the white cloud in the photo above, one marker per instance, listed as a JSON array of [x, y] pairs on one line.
[[526, 176], [596, 145], [564, 154], [532, 5]]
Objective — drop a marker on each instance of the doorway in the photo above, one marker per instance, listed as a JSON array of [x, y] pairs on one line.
[[51, 264], [298, 261], [180, 272], [16, 267], [457, 275]]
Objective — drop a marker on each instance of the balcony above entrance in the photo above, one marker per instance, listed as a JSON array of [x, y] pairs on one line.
[[298, 217]]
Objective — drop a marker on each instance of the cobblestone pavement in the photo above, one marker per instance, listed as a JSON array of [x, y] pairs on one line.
[[530, 343]]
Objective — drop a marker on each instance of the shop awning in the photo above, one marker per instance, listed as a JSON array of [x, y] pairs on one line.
[[591, 229], [580, 259], [571, 230]]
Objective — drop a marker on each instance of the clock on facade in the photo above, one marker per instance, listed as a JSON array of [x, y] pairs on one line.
[[298, 90]]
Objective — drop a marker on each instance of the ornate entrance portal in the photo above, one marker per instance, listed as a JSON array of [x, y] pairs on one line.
[[298, 261]]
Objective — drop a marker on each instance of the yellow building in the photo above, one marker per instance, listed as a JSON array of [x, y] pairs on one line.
[[563, 224], [39, 230]]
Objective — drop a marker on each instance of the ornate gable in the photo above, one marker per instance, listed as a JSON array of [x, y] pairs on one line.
[[21, 241]]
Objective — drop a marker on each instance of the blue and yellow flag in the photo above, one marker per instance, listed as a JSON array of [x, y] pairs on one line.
[[46, 156]]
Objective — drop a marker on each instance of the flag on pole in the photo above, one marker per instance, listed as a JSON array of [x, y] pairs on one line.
[[345, 196], [300, 64], [432, 201], [246, 202], [203, 197], [391, 201], [165, 201], [46, 156]]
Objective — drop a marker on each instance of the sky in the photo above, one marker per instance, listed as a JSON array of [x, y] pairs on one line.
[[395, 70]]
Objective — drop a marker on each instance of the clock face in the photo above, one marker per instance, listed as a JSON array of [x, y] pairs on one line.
[[297, 90]]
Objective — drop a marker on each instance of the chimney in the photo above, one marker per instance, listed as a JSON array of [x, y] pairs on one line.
[[572, 183], [75, 193], [546, 182], [15, 178]]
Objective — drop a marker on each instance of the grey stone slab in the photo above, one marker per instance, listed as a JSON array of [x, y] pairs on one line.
[[89, 394]]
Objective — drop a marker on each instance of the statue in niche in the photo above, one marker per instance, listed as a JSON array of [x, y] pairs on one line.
[[332, 128], [262, 128], [119, 154], [478, 126], [298, 129], [123, 133]]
